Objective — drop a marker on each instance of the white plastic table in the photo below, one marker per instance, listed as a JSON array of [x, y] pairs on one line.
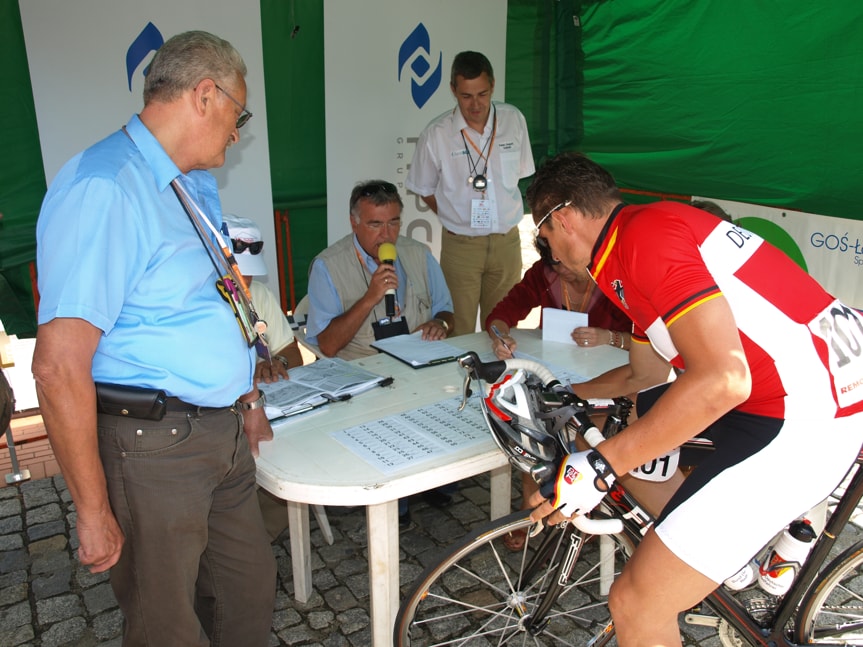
[[305, 465]]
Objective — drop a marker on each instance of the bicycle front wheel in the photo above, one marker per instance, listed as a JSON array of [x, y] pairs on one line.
[[833, 611], [482, 593]]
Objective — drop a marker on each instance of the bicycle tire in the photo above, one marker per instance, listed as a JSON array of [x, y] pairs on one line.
[[480, 592], [832, 612]]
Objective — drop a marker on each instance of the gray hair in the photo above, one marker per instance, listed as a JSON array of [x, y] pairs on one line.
[[378, 192], [187, 58]]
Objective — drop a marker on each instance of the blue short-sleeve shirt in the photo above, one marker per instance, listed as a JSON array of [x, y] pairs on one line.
[[116, 248]]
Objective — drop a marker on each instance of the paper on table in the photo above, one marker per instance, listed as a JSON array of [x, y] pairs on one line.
[[412, 437], [314, 384], [413, 350], [557, 325]]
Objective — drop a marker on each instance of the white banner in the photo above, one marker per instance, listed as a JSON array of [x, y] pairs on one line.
[[86, 65], [830, 249], [387, 72]]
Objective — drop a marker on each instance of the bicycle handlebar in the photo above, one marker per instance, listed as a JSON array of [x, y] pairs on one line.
[[490, 372]]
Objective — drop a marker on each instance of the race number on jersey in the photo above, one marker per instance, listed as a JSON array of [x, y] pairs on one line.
[[842, 331]]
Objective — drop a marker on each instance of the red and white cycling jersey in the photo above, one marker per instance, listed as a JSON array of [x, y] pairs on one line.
[[804, 347]]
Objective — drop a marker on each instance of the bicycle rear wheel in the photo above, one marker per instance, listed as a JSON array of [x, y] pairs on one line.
[[833, 611], [481, 593]]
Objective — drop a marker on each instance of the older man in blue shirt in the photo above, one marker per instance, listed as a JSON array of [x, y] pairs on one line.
[[143, 375]]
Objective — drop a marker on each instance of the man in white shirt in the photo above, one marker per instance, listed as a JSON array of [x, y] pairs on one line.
[[466, 168]]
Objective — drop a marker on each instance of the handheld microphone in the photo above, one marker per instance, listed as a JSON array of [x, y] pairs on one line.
[[387, 254]]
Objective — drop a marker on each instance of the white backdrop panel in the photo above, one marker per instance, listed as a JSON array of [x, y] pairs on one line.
[[375, 51], [77, 56]]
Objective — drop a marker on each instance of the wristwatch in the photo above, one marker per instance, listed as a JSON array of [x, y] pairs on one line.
[[443, 324], [260, 403]]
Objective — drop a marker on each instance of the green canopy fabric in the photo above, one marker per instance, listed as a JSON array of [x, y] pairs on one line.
[[743, 100]]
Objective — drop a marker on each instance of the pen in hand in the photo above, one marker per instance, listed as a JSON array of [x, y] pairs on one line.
[[498, 334]]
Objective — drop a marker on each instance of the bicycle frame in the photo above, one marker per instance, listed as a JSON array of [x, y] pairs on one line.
[[728, 608], [637, 521]]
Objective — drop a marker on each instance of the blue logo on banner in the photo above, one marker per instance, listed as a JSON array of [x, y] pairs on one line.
[[149, 40], [417, 46]]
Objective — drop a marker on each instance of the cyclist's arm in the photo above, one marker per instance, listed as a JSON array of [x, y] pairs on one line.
[[645, 369], [716, 380]]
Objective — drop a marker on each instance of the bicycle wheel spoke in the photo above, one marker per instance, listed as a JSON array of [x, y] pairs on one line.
[[485, 594], [834, 611]]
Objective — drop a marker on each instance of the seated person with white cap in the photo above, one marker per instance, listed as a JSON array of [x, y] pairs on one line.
[[248, 250]]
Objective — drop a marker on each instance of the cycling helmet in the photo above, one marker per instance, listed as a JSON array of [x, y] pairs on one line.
[[524, 421]]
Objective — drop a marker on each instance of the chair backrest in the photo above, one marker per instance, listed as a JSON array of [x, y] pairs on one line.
[[297, 319]]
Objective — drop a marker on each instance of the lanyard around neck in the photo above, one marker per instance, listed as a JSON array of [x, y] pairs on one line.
[[483, 155]]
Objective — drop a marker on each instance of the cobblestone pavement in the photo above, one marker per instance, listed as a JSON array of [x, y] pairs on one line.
[[47, 599]]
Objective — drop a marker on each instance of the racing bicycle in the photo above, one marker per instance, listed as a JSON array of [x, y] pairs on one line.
[[554, 590]]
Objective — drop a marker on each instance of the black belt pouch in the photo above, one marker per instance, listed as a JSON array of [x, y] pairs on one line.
[[131, 401]]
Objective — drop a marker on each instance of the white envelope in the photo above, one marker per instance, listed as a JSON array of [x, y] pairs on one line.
[[557, 325]]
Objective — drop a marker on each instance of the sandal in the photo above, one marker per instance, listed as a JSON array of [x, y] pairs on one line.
[[515, 540]]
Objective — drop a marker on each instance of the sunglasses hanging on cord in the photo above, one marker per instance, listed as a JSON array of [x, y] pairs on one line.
[[231, 285]]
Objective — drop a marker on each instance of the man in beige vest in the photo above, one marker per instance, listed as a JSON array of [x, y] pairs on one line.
[[348, 282]]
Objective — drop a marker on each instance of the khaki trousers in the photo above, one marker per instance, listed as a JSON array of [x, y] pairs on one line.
[[479, 271]]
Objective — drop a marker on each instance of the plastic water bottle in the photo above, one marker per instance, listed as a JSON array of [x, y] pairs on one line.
[[779, 568], [744, 577]]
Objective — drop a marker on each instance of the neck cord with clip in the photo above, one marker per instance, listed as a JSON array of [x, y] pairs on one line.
[[587, 292], [252, 326], [479, 181], [240, 300]]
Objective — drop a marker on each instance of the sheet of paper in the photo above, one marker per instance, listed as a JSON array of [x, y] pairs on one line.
[[314, 384], [557, 325], [400, 441], [417, 352]]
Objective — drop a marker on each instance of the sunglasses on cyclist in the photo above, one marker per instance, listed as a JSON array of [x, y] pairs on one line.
[[542, 220], [241, 246]]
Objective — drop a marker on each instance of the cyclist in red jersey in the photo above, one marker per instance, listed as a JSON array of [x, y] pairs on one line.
[[766, 359]]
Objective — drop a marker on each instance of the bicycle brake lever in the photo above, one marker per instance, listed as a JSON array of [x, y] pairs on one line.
[[465, 391]]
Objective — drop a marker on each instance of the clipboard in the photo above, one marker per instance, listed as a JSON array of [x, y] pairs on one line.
[[313, 385], [416, 352]]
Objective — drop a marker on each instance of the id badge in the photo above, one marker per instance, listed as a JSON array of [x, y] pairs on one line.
[[480, 213], [841, 329]]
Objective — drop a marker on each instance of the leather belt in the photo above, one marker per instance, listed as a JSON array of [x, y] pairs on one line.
[[176, 405]]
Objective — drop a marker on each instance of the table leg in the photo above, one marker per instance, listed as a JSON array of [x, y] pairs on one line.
[[323, 523], [501, 491], [301, 554], [383, 536]]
